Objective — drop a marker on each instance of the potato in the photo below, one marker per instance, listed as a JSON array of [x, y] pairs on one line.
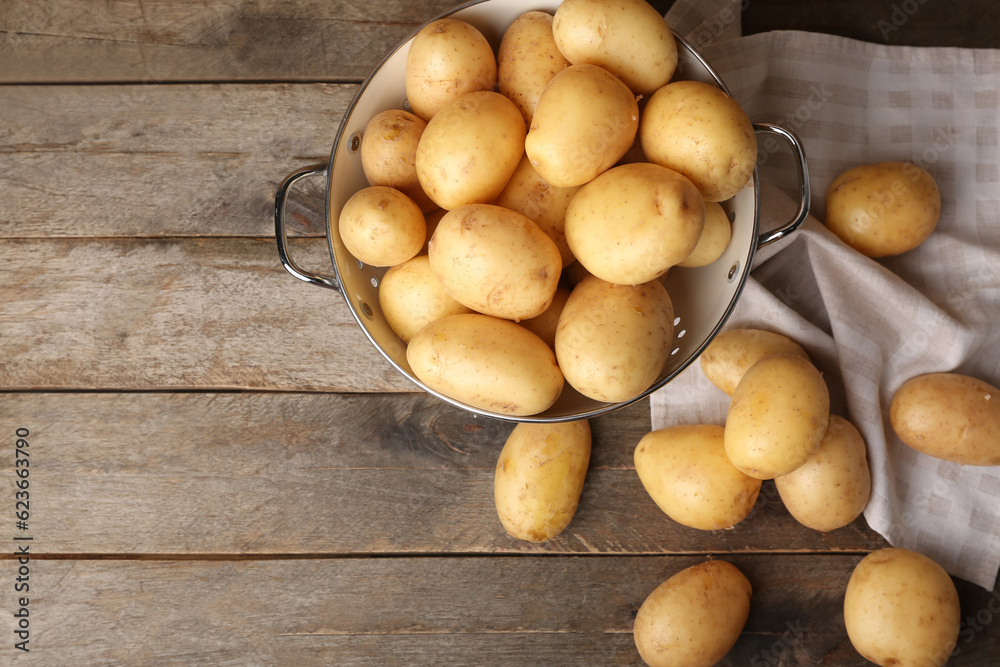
[[883, 209], [495, 261], [832, 488], [613, 340], [629, 38], [697, 129], [686, 472], [733, 352], [389, 153], [902, 609], [778, 416], [633, 222], [949, 416], [469, 150], [411, 297], [529, 194], [447, 59], [381, 226], [694, 618], [586, 119], [544, 325], [714, 238], [486, 362], [527, 60], [539, 478]]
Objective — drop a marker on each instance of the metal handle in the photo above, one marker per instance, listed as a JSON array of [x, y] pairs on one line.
[[802, 171], [281, 234]]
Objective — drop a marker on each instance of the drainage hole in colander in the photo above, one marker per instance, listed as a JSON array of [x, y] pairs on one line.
[[674, 351], [680, 334], [733, 271], [361, 264], [374, 281], [367, 310], [677, 321], [354, 143], [732, 216]]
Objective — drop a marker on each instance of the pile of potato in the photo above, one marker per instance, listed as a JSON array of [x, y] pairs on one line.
[[530, 202]]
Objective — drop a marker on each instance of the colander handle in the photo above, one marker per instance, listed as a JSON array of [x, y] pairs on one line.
[[281, 233], [801, 170]]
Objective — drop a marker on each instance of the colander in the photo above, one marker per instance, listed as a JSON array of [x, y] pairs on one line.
[[703, 298]]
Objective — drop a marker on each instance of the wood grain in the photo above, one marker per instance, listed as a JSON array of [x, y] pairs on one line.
[[163, 160], [185, 313], [244, 474]]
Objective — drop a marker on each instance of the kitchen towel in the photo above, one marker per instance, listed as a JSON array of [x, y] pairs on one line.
[[870, 325]]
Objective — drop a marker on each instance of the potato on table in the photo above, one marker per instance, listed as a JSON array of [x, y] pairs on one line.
[[734, 351]]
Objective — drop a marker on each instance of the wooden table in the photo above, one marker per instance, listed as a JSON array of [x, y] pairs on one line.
[[222, 470]]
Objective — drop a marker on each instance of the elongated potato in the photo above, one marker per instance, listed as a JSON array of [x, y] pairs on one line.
[[527, 60], [389, 153], [487, 362], [694, 618], [411, 297], [949, 416], [733, 352], [778, 416], [539, 478], [686, 472], [832, 488], [714, 238], [901, 609]]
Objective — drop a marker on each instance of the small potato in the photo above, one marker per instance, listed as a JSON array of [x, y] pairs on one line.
[[686, 472], [714, 239], [470, 149], [527, 60], [411, 297], [495, 261], [613, 340], [949, 416], [901, 609], [629, 38], [389, 153], [694, 618], [633, 222], [697, 129], [832, 488], [486, 362], [447, 59], [544, 325], [733, 352], [778, 416], [585, 121], [529, 194], [883, 209], [381, 226], [539, 478]]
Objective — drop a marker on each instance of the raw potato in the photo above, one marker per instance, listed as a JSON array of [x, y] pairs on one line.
[[686, 472], [495, 261], [447, 59], [411, 297], [487, 363], [883, 209], [832, 488], [778, 416], [613, 340], [469, 150], [629, 38], [633, 222], [381, 226], [949, 416], [901, 609], [733, 352], [585, 122], [539, 478], [531, 195], [544, 325], [694, 618], [700, 131], [527, 60], [714, 239], [389, 153]]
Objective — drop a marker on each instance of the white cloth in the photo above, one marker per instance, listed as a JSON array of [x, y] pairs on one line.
[[869, 325]]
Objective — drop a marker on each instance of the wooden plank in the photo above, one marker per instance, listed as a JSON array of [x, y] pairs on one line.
[[186, 40], [471, 611], [280, 474], [163, 160], [184, 313]]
